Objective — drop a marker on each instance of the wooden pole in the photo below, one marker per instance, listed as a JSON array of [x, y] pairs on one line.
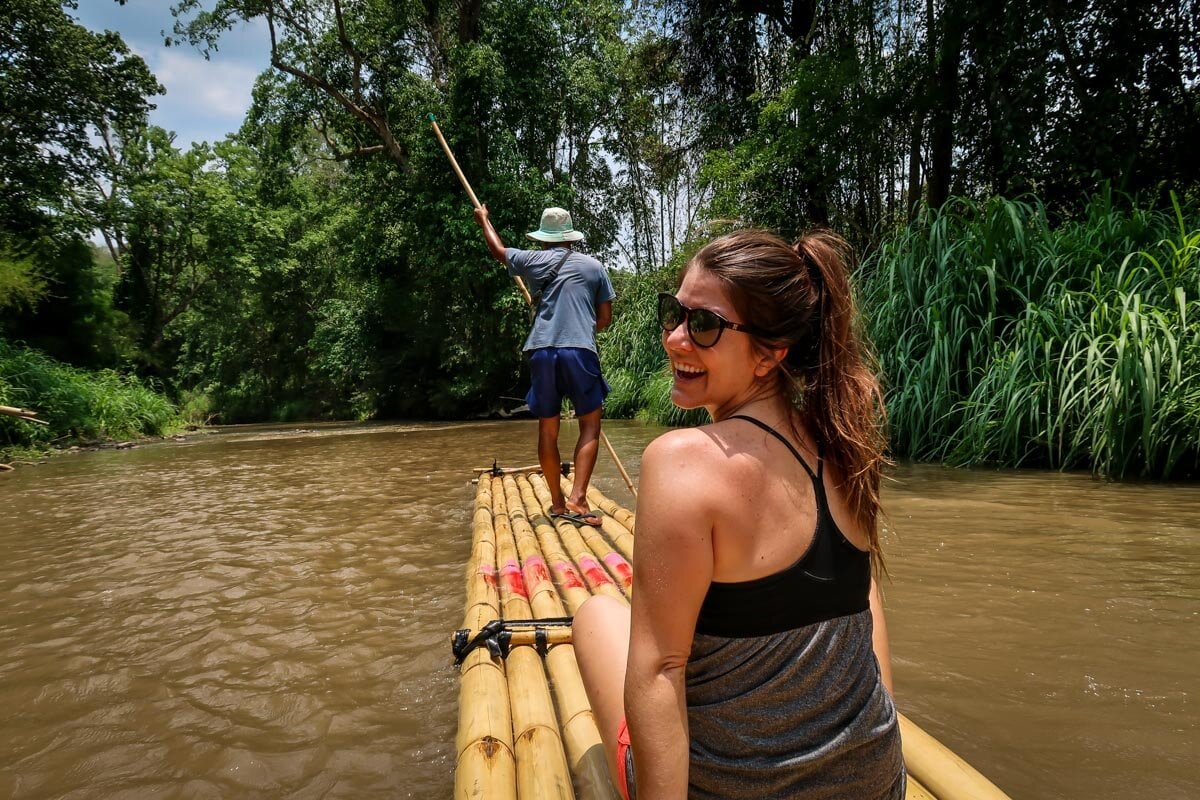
[[486, 765], [22, 413], [520, 283], [620, 466], [471, 194], [940, 772], [542, 770]]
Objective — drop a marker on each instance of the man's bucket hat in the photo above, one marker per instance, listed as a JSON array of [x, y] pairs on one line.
[[556, 227]]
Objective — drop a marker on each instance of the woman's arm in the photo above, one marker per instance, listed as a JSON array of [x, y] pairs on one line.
[[673, 572], [879, 638]]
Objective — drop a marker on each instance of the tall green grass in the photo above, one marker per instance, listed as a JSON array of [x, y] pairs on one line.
[[79, 405], [1005, 339]]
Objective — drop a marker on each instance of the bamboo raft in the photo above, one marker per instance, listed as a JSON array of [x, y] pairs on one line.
[[525, 728]]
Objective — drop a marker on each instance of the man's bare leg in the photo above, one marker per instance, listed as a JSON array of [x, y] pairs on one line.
[[586, 450], [549, 459]]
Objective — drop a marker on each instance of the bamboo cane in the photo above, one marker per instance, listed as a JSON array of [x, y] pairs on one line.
[[598, 579], [581, 738], [597, 499], [542, 770], [570, 583], [940, 771], [486, 765], [620, 466], [913, 790], [618, 566], [22, 413], [512, 470], [621, 536], [471, 194]]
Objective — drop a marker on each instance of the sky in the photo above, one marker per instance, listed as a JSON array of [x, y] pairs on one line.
[[205, 100]]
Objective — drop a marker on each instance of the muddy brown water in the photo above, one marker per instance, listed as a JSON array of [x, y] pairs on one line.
[[264, 613]]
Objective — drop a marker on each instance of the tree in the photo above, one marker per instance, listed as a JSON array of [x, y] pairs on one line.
[[60, 85]]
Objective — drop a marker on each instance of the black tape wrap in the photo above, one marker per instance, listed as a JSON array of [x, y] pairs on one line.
[[496, 636]]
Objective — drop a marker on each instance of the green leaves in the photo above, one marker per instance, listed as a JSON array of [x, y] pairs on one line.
[[1004, 339]]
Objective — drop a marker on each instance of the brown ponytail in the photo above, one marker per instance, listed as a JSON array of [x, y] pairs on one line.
[[800, 298]]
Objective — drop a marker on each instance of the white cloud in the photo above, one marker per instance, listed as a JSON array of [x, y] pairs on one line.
[[203, 87]]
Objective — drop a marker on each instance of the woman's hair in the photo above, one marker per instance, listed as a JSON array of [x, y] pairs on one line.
[[799, 297]]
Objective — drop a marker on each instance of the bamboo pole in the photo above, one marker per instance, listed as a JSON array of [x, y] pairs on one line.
[[581, 738], [941, 772], [913, 790], [622, 515], [471, 194], [598, 579], [486, 765], [542, 771], [22, 413], [621, 536], [512, 470], [567, 578], [618, 566], [620, 466]]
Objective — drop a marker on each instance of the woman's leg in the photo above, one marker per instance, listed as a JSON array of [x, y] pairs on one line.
[[601, 638]]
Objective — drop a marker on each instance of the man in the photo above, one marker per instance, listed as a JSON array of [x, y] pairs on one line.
[[572, 301]]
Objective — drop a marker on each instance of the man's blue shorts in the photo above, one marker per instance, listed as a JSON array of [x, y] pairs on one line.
[[558, 372]]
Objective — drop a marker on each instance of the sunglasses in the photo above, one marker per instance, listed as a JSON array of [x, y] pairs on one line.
[[704, 327]]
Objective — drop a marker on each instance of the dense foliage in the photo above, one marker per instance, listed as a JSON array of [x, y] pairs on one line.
[[1006, 339], [323, 261], [78, 405]]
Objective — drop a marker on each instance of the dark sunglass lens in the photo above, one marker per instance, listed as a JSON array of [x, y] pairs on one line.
[[704, 326], [670, 312]]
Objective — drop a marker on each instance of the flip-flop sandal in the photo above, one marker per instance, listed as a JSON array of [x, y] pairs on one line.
[[578, 518]]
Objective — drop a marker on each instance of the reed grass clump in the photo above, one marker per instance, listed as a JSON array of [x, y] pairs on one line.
[[1005, 339], [78, 405]]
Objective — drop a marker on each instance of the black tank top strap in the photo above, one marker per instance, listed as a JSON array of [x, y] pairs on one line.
[[816, 478]]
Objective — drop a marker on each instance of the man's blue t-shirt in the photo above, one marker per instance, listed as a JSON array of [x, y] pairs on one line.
[[567, 314]]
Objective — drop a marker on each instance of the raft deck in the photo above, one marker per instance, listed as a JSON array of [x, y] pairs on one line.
[[525, 728]]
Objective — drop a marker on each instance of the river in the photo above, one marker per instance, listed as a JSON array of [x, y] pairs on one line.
[[265, 612]]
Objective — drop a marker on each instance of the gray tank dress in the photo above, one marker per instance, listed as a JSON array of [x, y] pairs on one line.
[[784, 694]]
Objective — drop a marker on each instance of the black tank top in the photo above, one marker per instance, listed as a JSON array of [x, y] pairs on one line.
[[831, 579]]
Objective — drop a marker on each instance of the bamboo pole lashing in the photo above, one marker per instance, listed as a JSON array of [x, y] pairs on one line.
[[486, 762], [542, 770]]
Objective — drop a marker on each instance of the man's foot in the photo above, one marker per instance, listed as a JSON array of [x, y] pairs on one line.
[[591, 518]]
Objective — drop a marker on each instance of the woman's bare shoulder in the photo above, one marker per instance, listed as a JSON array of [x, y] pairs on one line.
[[682, 444]]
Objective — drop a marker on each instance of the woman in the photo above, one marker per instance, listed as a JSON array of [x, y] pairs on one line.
[[748, 665]]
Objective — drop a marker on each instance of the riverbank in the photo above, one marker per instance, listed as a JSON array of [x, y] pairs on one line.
[[75, 409]]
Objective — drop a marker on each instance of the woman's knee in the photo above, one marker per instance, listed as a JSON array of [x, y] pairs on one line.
[[598, 623]]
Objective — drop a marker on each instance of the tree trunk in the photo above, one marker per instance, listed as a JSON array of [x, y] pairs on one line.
[[944, 101]]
